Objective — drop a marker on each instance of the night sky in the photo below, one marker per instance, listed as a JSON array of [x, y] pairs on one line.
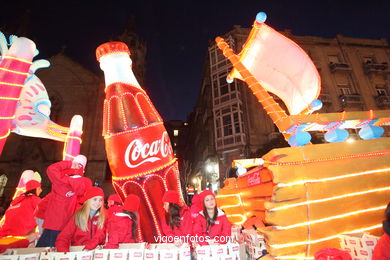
[[177, 33]]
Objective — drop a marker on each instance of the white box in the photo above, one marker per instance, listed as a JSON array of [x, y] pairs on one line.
[[58, 256], [185, 252], [135, 250], [9, 257], [360, 246], [118, 254], [218, 251], [203, 252], [150, 254], [101, 254], [84, 255]]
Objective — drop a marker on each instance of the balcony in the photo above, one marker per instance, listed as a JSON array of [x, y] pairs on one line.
[[370, 67], [339, 67], [382, 100], [351, 99]]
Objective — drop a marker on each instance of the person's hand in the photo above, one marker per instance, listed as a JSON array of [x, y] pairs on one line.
[[75, 165]]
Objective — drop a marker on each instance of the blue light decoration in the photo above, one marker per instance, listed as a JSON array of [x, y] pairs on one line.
[[300, 138], [261, 17], [371, 132], [336, 135], [315, 105]]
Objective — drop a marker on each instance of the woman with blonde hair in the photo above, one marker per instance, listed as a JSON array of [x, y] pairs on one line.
[[87, 226]]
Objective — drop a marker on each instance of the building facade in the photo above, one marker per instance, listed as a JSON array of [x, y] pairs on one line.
[[354, 73]]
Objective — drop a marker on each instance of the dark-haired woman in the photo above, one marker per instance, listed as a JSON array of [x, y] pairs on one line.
[[122, 226], [177, 223], [19, 218], [212, 225]]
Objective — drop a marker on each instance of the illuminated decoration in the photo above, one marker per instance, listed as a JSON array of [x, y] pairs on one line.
[[269, 62], [27, 176], [311, 194], [244, 197], [73, 139], [268, 56], [25, 108], [14, 65], [138, 148]]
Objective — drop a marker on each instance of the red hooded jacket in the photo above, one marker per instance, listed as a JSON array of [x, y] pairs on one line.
[[19, 218], [66, 192], [119, 228], [72, 235], [42, 206], [220, 231], [382, 248], [185, 225]]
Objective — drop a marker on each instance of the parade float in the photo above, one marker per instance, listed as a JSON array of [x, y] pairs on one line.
[[307, 195], [25, 107]]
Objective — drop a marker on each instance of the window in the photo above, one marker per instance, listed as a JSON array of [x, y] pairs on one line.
[[345, 89], [381, 90], [227, 125], [369, 59], [175, 132], [236, 123], [334, 58]]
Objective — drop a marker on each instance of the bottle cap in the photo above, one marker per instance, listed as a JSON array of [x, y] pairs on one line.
[[111, 48]]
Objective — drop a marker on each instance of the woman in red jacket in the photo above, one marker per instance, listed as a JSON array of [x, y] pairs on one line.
[[212, 225], [382, 248], [68, 186], [177, 224], [122, 226], [87, 226], [19, 218]]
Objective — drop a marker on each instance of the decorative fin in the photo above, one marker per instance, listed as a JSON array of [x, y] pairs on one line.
[[39, 64], [3, 44]]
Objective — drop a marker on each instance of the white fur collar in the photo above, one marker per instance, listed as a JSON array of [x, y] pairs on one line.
[[121, 214]]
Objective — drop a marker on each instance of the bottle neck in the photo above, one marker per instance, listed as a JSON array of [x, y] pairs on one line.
[[117, 68]]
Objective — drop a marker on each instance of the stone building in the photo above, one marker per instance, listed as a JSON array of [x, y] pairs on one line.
[[228, 123]]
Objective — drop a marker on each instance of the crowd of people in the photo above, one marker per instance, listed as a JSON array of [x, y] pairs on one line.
[[73, 214]]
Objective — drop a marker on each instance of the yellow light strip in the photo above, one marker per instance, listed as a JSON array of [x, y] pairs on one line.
[[11, 84], [14, 71], [302, 243], [10, 98], [59, 135], [227, 195], [74, 137], [63, 128], [330, 218], [333, 178], [328, 199], [6, 135], [238, 215], [18, 59], [7, 117]]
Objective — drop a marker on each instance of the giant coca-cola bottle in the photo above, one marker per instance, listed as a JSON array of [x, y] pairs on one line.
[[138, 148]]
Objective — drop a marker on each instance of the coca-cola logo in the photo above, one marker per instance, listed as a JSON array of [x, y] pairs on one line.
[[146, 152]]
